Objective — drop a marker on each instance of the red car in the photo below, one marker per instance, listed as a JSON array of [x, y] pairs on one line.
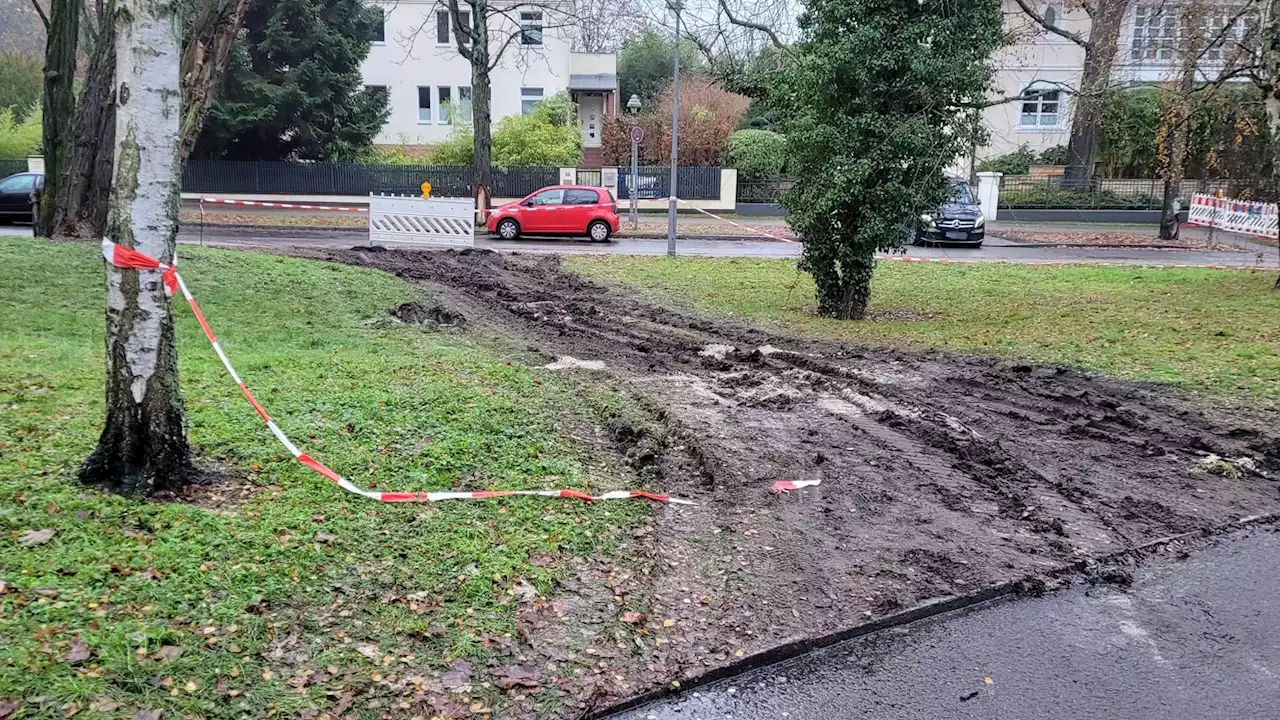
[[558, 210]]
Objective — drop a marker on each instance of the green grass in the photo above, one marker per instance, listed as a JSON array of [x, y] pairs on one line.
[[250, 590], [1207, 330]]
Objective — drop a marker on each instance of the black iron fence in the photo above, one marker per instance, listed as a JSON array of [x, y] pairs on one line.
[[654, 183], [1067, 190], [292, 178], [12, 166], [763, 191]]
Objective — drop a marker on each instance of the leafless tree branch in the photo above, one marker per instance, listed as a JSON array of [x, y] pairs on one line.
[[1044, 23], [44, 18]]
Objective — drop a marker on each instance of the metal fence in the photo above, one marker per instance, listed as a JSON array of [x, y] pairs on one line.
[[763, 191], [1057, 191], [654, 183], [12, 166], [302, 178]]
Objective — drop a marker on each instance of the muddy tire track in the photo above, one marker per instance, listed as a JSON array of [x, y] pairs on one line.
[[940, 473]]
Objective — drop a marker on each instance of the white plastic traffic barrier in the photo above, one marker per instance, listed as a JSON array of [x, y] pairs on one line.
[[1238, 216], [429, 222]]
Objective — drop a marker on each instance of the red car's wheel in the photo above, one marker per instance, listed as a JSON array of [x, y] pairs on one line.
[[508, 229], [599, 231]]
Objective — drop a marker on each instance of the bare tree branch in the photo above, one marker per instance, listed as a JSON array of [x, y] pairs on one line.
[[40, 11], [759, 27], [1044, 23]]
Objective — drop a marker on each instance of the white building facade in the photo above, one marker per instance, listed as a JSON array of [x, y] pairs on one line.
[[415, 61], [1047, 66]]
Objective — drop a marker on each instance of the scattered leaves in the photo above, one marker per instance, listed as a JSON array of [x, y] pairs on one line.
[[509, 676], [148, 715], [8, 707], [457, 679], [632, 618], [168, 652]]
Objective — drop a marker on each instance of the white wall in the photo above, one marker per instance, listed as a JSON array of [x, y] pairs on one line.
[[410, 57]]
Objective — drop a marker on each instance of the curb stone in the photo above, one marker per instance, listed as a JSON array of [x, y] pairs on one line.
[[1034, 583]]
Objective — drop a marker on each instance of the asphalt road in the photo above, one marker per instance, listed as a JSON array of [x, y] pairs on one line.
[[996, 249], [1192, 639]]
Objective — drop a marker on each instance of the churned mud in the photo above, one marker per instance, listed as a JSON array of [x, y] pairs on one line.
[[940, 474]]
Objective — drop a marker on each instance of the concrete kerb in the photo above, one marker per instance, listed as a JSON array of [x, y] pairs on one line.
[[930, 609]]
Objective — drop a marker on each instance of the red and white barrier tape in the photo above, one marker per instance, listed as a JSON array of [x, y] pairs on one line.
[[748, 228], [783, 487], [123, 257], [293, 206]]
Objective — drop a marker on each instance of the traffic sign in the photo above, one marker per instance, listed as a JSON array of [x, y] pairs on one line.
[[637, 134]]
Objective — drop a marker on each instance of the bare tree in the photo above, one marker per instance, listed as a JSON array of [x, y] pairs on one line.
[[488, 33], [143, 446], [1100, 45], [600, 26]]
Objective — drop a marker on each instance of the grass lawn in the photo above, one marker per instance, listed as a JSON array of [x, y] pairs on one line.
[[1208, 330], [289, 596]]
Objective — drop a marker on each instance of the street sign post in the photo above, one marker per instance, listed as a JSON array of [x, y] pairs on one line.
[[637, 137]]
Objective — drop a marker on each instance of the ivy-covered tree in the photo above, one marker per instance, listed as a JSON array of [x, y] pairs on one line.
[[880, 97], [293, 87]]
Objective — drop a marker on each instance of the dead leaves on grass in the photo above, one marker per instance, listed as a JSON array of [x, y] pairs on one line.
[[33, 538]]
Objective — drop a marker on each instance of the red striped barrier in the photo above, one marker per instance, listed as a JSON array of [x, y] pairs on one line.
[[123, 257], [292, 206]]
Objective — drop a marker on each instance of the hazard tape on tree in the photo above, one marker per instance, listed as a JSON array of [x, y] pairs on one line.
[[123, 257], [292, 206]]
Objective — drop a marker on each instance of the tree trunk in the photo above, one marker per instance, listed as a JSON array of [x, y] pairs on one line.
[[843, 285], [481, 99], [1173, 149], [205, 54], [80, 211], [143, 446], [1091, 99], [59, 101]]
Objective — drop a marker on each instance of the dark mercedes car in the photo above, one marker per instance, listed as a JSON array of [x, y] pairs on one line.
[[18, 193], [957, 221]]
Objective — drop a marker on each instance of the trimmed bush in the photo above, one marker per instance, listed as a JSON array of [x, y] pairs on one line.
[[1050, 198], [757, 154]]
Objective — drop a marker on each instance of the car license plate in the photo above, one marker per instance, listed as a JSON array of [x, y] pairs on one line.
[[957, 236]]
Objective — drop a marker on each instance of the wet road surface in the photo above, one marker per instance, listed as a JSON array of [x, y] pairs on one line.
[[1192, 639], [995, 250]]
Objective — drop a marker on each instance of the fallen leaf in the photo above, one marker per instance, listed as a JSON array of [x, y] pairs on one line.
[[988, 680], [148, 715], [508, 676], [5, 587], [168, 652], [632, 618], [344, 702], [32, 538], [8, 707], [325, 537], [307, 713], [457, 679], [525, 592], [191, 686], [221, 687], [668, 623], [102, 703], [78, 652], [70, 710], [369, 651]]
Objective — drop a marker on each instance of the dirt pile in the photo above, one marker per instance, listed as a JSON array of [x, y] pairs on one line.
[[940, 473]]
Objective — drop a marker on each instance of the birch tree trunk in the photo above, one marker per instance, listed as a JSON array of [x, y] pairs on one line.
[[143, 447]]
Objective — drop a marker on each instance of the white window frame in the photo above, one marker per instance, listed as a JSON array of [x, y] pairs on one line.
[[1155, 32], [1042, 96], [530, 19], [527, 96], [430, 93], [464, 106], [444, 114]]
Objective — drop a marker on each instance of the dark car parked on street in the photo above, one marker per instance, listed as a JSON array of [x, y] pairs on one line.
[[959, 220], [18, 195]]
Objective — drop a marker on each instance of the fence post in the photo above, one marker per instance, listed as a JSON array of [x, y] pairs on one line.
[[728, 189], [989, 193], [568, 176], [609, 180]]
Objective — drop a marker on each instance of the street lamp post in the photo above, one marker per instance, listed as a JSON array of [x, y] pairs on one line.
[[637, 135], [675, 6]]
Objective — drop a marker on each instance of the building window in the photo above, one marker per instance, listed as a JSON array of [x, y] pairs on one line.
[[442, 27], [380, 29], [531, 27], [528, 98], [1155, 29], [464, 104], [464, 19], [1041, 109], [446, 105], [1242, 32], [424, 104]]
